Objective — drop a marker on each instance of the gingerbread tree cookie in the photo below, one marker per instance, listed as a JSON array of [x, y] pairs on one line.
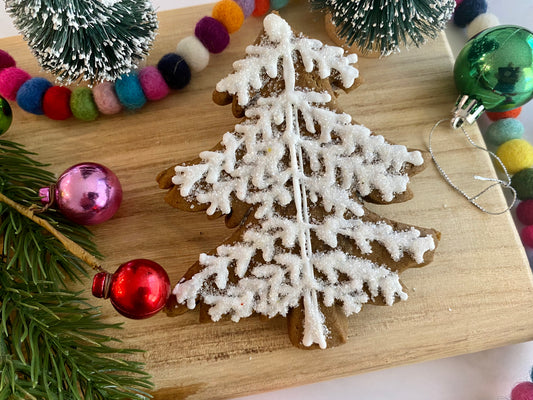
[[292, 176]]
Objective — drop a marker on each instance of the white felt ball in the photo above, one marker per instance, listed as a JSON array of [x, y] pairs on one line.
[[480, 23], [194, 53]]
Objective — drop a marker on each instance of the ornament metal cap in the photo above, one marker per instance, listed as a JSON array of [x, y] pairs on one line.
[[466, 110], [47, 195], [101, 284]]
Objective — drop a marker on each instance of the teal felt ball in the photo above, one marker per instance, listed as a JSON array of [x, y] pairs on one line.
[[504, 130], [129, 91], [277, 4], [522, 182]]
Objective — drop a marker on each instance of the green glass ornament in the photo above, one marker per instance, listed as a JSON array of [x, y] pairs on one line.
[[495, 68], [6, 116]]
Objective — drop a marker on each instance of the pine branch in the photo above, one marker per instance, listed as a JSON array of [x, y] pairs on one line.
[[53, 344], [69, 244]]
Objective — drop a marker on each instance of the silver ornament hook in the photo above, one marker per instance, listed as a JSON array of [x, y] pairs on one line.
[[496, 182]]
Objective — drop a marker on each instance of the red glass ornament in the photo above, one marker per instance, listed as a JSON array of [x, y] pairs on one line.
[[86, 193], [138, 289]]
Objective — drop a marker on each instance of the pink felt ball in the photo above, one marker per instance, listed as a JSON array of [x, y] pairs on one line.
[[524, 212], [11, 79], [6, 60], [527, 239], [522, 391], [152, 83], [106, 99]]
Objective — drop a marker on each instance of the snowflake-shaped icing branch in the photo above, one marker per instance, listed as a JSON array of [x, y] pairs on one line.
[[360, 161], [279, 41]]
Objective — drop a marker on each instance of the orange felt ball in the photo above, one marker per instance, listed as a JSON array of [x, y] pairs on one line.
[[261, 7], [495, 116], [229, 14]]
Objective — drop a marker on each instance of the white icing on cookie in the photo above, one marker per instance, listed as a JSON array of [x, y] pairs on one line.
[[268, 163]]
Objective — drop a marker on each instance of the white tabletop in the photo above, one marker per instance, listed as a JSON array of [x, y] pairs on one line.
[[488, 375]]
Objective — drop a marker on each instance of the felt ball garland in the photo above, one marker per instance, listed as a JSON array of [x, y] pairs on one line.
[[132, 91], [505, 134]]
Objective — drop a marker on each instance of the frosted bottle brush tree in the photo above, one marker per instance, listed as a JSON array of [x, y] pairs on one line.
[[92, 40], [383, 26], [291, 176]]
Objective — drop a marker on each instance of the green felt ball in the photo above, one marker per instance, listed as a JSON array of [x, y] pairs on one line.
[[504, 130], [82, 104], [522, 182], [6, 116]]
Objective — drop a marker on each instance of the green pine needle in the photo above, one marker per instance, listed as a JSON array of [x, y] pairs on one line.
[[53, 344]]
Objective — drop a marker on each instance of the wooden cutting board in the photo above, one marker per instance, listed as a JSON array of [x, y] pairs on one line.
[[477, 294]]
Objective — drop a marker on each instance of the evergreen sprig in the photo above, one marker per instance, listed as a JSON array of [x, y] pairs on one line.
[[53, 344], [383, 26]]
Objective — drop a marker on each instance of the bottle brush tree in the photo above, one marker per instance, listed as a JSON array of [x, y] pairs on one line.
[[383, 26]]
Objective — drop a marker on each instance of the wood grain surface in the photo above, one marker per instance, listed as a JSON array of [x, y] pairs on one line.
[[477, 294]]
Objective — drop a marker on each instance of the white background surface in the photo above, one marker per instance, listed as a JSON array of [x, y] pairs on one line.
[[488, 375]]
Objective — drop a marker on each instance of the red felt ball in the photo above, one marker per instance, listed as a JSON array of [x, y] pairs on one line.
[[495, 116], [526, 234], [56, 103], [6, 60], [261, 7], [524, 212], [522, 391]]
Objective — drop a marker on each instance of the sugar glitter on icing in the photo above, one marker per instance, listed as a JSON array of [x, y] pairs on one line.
[[262, 164]]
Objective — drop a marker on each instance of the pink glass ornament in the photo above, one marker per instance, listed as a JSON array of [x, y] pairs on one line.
[[86, 193], [138, 289]]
